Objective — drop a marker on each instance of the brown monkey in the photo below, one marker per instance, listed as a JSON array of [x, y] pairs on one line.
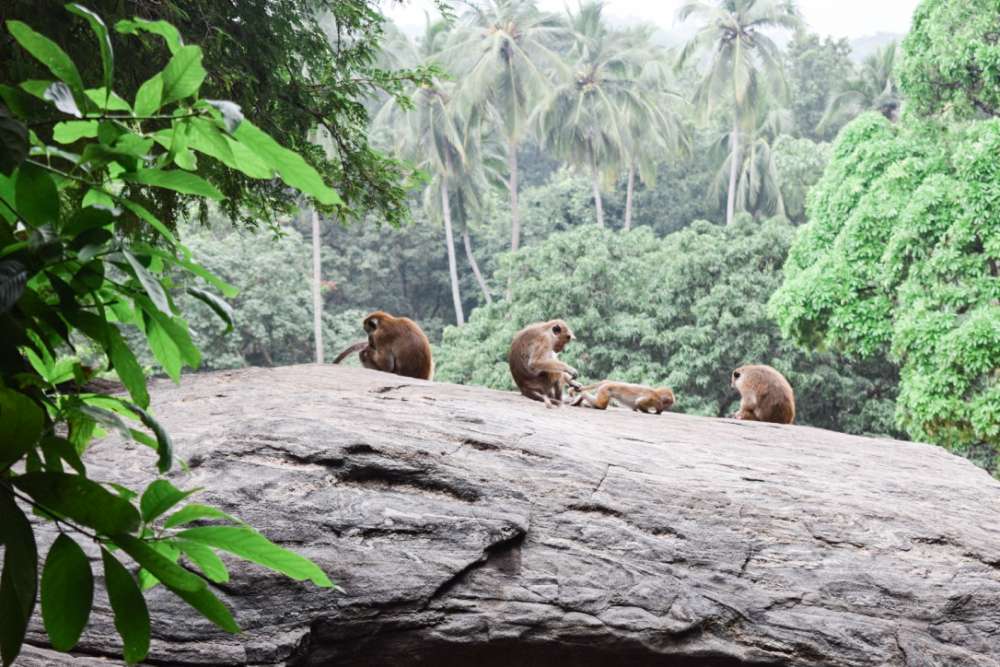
[[636, 396], [395, 345], [537, 371], [765, 395]]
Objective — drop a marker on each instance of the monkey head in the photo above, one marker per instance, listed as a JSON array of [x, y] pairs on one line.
[[737, 378], [666, 397], [561, 334]]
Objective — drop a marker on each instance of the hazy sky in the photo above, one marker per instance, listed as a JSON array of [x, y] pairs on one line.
[[840, 18]]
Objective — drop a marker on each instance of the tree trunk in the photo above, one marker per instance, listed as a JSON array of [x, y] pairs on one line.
[[456, 295], [628, 197], [317, 297], [598, 204], [515, 215], [734, 169], [467, 242]]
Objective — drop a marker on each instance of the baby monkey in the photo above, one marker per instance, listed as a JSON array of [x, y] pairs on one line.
[[636, 396]]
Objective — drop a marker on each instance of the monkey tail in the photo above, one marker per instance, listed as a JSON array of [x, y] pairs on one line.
[[356, 347]]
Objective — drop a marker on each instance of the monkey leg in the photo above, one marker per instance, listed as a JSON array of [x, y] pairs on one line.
[[599, 400], [647, 406]]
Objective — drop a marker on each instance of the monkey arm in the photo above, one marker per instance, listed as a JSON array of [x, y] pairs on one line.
[[552, 365]]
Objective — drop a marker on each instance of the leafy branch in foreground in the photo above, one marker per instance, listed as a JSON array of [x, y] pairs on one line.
[[83, 257]]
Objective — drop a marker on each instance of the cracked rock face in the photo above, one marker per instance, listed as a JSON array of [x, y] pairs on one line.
[[475, 527]]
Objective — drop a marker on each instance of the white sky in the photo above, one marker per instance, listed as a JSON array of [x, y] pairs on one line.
[[839, 18]]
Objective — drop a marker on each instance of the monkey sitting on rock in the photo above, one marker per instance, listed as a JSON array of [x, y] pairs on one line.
[[534, 363], [395, 345], [765, 395], [636, 396]]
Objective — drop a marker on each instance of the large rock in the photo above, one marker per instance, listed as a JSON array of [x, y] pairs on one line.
[[476, 527]]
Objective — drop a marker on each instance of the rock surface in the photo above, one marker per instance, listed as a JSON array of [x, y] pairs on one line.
[[475, 527]]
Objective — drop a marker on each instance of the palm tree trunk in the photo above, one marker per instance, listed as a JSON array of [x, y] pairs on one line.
[[456, 295], [628, 197], [734, 168], [515, 215], [598, 204], [317, 298], [475, 266]]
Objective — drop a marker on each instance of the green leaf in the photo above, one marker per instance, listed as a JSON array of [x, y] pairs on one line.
[[48, 53], [169, 551], [160, 496], [36, 197], [176, 328], [129, 607], [247, 543], [19, 581], [164, 446], [13, 142], [291, 166], [149, 97], [80, 499], [67, 592], [206, 560], [183, 75], [114, 101], [73, 130], [194, 512], [220, 307], [172, 575], [165, 30], [127, 367], [62, 448], [150, 219], [177, 180], [21, 424], [103, 40], [149, 282], [62, 97], [163, 348]]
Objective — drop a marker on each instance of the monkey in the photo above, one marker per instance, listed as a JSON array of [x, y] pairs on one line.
[[395, 345], [537, 371], [765, 395], [636, 396]]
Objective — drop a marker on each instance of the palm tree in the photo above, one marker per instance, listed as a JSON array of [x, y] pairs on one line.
[[874, 87], [742, 62], [500, 53], [432, 135], [583, 120], [653, 125]]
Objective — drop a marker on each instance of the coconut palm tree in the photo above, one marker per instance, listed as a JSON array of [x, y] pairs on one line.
[[874, 88], [584, 120], [501, 52], [742, 62]]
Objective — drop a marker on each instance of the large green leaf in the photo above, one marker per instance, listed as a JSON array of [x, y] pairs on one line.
[[129, 607], [103, 40], [291, 166], [206, 560], [183, 75], [160, 496], [127, 367], [80, 499], [173, 576], [150, 283], [142, 213], [19, 581], [21, 424], [194, 512], [49, 54], [163, 348], [247, 543], [177, 329], [73, 130], [36, 197], [67, 592], [100, 97], [149, 97], [164, 446], [220, 307], [165, 30], [180, 181]]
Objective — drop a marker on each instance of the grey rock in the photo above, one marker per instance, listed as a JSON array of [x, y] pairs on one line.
[[476, 527]]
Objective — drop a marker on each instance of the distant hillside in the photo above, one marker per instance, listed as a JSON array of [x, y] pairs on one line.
[[862, 47]]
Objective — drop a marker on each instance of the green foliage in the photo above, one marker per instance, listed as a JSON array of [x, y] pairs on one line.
[[83, 258], [296, 63], [816, 69], [901, 257], [799, 164], [872, 88], [951, 58], [682, 311]]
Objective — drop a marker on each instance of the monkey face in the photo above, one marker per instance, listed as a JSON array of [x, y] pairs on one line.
[[562, 334], [737, 374], [666, 398]]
